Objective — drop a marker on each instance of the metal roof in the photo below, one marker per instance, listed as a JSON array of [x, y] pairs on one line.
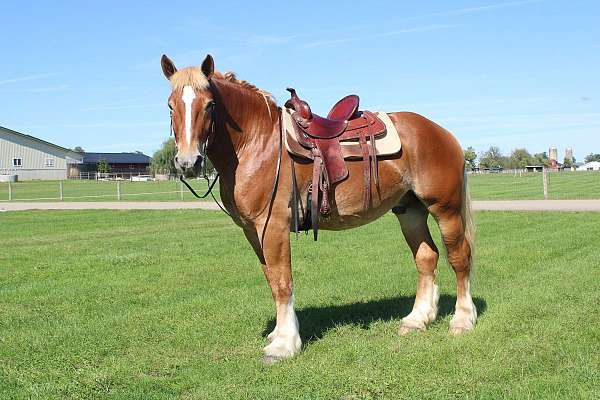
[[116, 158], [72, 153]]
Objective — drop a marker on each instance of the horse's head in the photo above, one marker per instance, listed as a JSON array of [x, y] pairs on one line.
[[192, 112]]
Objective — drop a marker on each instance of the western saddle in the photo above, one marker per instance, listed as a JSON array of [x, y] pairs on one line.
[[322, 136]]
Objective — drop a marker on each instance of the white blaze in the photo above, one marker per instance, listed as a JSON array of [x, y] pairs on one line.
[[188, 98]]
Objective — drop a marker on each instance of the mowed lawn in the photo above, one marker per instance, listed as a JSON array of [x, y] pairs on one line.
[[173, 305]]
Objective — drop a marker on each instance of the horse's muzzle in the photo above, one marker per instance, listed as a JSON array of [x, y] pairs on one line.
[[189, 165]]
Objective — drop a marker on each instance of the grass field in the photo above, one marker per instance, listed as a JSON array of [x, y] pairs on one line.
[[563, 185], [173, 305]]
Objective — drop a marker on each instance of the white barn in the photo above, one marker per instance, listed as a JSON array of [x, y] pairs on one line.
[[591, 166], [32, 158]]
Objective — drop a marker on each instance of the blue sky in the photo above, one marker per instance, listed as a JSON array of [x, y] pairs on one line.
[[506, 73]]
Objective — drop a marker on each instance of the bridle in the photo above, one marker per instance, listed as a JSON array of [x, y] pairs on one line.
[[205, 145]]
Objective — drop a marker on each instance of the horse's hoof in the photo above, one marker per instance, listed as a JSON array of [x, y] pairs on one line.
[[459, 330], [270, 360], [463, 323], [406, 329], [282, 347]]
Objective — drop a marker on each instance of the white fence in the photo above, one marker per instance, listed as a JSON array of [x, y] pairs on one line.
[[115, 189]]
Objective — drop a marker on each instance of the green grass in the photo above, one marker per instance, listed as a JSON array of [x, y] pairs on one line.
[[173, 305], [77, 190], [561, 185]]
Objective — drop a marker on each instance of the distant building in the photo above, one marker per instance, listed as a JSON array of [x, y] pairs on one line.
[[591, 166], [569, 154], [553, 153], [31, 158], [122, 163], [534, 168]]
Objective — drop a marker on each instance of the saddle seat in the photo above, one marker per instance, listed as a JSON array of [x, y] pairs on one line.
[[322, 136], [319, 127]]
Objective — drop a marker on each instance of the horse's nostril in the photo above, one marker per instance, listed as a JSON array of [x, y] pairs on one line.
[[176, 160]]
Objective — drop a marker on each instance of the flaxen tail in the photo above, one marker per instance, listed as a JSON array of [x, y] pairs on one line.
[[467, 218]]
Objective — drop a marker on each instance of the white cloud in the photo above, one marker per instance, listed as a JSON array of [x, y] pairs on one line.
[[470, 10], [24, 78]]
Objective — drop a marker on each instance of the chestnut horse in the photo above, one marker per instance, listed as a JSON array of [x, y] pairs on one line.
[[237, 126]]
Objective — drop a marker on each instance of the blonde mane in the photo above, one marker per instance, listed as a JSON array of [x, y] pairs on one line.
[[230, 77], [193, 76]]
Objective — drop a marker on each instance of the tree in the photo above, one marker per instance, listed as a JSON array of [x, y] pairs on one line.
[[470, 157], [592, 157], [78, 149], [103, 166], [519, 158], [492, 158], [541, 159], [568, 162], [163, 159]]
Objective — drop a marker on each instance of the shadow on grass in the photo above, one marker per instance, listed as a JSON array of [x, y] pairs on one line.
[[316, 321]]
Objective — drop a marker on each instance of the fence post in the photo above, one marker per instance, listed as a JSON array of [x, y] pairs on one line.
[[118, 190], [9, 191], [545, 182]]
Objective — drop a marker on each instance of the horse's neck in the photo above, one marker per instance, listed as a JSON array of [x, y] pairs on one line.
[[244, 130]]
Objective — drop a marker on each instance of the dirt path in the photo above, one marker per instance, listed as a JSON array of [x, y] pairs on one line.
[[499, 205], [537, 205]]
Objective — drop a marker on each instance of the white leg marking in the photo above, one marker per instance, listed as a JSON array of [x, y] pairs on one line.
[[188, 98], [423, 313], [285, 338], [465, 314]]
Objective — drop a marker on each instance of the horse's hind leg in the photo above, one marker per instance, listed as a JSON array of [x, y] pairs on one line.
[[413, 222], [459, 246]]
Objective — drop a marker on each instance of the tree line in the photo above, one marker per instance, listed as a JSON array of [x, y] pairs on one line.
[[518, 159]]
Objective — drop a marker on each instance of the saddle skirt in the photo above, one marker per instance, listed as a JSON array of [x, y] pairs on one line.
[[386, 144]]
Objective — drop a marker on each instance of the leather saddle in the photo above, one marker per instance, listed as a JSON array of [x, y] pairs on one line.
[[322, 136]]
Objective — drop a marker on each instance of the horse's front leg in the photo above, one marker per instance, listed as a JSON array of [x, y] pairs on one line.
[[275, 257]]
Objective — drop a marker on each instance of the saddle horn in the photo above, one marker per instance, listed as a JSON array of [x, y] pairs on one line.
[[298, 105]]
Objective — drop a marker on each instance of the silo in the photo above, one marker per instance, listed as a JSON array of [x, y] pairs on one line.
[[569, 154], [553, 153]]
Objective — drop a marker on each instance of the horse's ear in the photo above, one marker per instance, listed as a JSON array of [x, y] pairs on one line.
[[208, 66], [168, 66]]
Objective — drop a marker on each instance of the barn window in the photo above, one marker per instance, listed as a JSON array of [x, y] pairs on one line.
[[49, 162], [17, 162]]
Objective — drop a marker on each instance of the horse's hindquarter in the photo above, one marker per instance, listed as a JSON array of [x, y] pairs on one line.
[[430, 164], [435, 158]]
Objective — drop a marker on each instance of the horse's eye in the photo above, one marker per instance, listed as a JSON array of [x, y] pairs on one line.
[[210, 105]]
